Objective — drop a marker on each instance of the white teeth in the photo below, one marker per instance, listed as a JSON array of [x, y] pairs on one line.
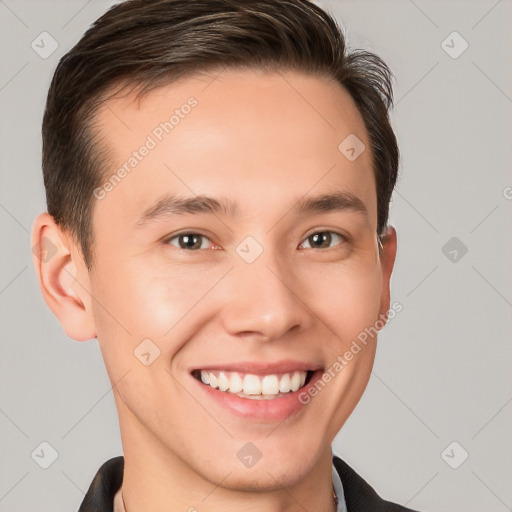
[[223, 382], [235, 385], [252, 385], [295, 381], [268, 386], [284, 384], [213, 380]]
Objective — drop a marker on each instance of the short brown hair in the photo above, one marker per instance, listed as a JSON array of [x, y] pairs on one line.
[[150, 43]]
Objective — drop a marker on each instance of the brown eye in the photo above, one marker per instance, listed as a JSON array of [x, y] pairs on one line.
[[323, 239], [192, 241]]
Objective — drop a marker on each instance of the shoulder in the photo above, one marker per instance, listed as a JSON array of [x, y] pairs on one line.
[[359, 495]]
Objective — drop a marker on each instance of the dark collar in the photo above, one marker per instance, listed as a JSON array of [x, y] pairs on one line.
[[359, 495], [107, 481]]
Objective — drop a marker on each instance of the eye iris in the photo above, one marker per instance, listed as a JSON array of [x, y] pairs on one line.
[[321, 237], [190, 241]]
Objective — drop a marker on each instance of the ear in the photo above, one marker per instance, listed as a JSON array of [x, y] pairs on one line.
[[387, 260], [63, 277]]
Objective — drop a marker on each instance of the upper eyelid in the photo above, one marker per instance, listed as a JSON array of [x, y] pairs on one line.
[[326, 230]]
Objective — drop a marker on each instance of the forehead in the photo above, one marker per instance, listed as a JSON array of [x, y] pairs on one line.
[[265, 138]]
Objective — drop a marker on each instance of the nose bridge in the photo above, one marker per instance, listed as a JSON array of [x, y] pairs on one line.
[[262, 297]]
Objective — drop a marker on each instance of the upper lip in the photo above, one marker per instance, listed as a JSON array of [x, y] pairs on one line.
[[261, 368]]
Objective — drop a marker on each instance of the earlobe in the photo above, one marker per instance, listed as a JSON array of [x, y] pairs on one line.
[[62, 277], [387, 259]]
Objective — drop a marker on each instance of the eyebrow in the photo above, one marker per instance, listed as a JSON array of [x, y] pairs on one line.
[[172, 205]]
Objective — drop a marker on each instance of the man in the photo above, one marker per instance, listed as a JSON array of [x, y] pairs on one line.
[[218, 177]]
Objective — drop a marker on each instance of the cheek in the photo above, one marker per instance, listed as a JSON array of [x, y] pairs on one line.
[[163, 301], [135, 302], [346, 299], [148, 297]]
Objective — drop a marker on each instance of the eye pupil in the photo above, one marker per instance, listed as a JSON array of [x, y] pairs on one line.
[[321, 237], [189, 241]]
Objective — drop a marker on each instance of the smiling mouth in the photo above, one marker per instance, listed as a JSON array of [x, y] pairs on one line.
[[252, 386]]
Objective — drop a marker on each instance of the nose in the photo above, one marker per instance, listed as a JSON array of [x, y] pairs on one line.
[[264, 300]]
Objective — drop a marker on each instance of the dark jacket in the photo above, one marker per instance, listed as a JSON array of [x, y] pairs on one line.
[[359, 496]]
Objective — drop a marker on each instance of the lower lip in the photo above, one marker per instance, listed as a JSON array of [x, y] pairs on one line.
[[271, 410]]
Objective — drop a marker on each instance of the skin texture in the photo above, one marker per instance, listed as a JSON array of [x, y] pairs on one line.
[[254, 139]]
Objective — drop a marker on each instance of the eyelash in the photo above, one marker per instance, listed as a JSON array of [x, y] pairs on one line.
[[344, 238]]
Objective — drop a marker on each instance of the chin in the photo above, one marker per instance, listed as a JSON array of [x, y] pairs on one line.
[[265, 478]]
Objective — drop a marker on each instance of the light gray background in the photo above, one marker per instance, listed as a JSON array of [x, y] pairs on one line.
[[443, 366]]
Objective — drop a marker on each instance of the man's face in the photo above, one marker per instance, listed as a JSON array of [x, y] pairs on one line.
[[266, 283]]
